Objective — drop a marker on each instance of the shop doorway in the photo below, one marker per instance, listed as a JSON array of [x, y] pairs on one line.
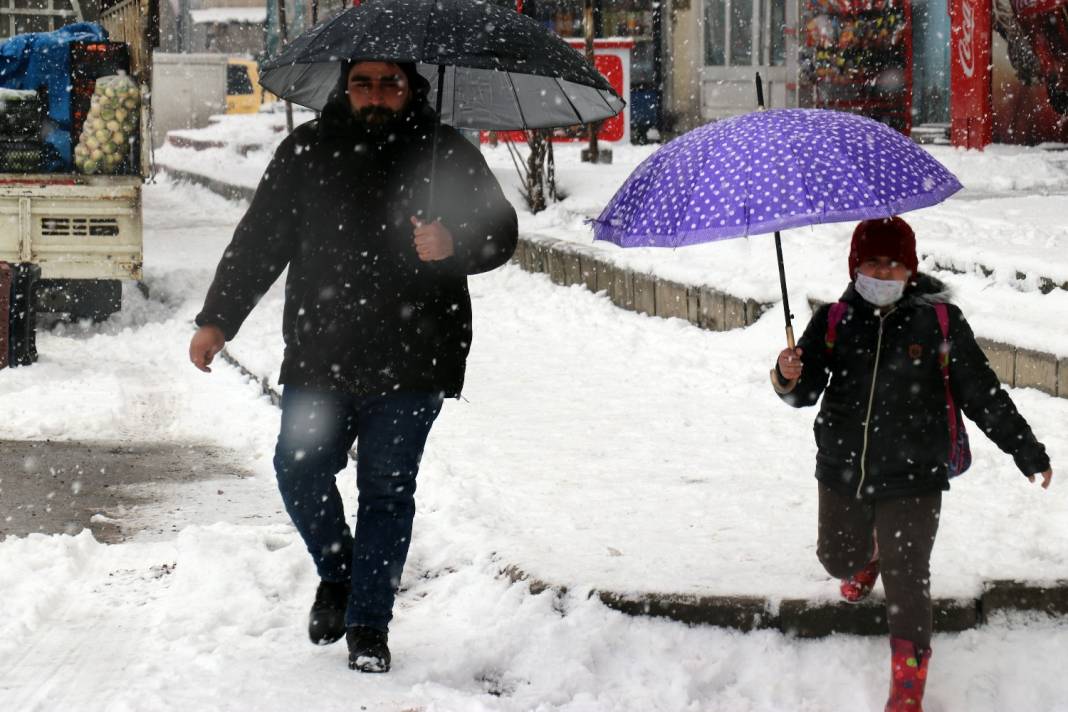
[[742, 37]]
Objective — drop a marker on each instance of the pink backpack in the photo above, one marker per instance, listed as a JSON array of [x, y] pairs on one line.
[[960, 452]]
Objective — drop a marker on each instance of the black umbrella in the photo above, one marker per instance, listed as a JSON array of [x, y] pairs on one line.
[[494, 68]]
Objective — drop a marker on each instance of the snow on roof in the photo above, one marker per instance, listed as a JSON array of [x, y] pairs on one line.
[[218, 15]]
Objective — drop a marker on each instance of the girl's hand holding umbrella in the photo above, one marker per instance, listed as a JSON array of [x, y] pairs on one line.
[[790, 364]]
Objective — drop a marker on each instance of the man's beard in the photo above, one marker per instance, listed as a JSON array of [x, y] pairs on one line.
[[379, 119]]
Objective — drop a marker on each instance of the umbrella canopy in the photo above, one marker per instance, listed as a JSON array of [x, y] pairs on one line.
[[769, 171], [503, 70]]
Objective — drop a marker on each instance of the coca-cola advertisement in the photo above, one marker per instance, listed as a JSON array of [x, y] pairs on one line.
[[1029, 83]]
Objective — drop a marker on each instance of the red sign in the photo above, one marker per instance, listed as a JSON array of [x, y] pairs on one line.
[[613, 129], [971, 110]]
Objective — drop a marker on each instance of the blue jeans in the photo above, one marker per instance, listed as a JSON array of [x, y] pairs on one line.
[[318, 429]]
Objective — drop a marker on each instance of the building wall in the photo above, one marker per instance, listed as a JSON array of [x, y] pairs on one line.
[[187, 89], [233, 38], [683, 63]]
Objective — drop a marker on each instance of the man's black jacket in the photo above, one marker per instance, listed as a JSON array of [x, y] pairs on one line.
[[362, 313], [887, 361]]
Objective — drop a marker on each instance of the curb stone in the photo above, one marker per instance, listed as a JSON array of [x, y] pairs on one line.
[[819, 618]]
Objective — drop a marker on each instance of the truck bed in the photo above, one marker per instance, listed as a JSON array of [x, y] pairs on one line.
[[73, 226]]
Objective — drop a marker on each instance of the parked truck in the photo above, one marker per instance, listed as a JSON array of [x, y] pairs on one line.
[[78, 234]]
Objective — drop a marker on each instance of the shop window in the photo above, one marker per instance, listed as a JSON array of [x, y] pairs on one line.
[[715, 32], [741, 36], [730, 39]]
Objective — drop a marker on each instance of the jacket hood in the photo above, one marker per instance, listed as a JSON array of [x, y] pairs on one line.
[[924, 289]]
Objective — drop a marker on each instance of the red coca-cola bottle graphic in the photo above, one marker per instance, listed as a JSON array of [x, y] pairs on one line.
[[1045, 25]]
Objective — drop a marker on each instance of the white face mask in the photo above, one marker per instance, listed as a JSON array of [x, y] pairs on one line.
[[880, 292]]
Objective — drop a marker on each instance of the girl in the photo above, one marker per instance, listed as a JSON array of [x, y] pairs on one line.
[[895, 363]]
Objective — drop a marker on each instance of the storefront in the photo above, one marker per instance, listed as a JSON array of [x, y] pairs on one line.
[[636, 21], [739, 39], [1004, 63], [1009, 71]]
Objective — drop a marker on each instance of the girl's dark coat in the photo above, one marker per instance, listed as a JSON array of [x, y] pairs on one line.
[[888, 360]]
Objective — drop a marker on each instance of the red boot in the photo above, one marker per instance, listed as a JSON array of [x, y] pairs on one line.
[[857, 587], [908, 670]]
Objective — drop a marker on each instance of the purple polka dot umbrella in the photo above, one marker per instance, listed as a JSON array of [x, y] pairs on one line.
[[770, 171]]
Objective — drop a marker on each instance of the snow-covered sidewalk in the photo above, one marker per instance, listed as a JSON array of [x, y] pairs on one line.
[[595, 448], [606, 411]]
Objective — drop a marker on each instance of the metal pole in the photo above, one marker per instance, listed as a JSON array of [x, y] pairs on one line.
[[285, 40], [587, 24]]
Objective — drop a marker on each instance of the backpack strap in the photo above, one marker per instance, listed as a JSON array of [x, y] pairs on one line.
[[943, 323], [958, 460], [834, 316]]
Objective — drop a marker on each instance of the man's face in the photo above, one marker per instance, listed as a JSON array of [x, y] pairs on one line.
[[378, 91]]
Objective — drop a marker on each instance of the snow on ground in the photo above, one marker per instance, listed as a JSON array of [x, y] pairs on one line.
[[594, 448], [1009, 218], [633, 453]]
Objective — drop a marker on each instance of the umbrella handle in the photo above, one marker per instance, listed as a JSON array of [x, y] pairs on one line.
[[760, 91], [775, 382]]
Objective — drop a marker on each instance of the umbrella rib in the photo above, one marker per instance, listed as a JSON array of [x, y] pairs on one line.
[[518, 105], [600, 96], [805, 186], [304, 70], [452, 100], [748, 195], [693, 193], [570, 103], [870, 185]]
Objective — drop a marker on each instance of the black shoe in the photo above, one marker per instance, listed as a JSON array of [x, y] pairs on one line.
[[368, 651], [326, 621]]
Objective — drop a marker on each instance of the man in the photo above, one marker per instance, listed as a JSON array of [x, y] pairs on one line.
[[377, 323]]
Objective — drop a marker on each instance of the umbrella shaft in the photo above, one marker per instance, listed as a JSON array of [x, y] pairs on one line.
[[782, 285], [434, 145]]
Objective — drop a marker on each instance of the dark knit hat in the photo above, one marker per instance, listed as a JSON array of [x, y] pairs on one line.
[[883, 237]]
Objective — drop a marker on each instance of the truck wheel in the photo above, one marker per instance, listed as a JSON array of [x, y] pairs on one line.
[[95, 299]]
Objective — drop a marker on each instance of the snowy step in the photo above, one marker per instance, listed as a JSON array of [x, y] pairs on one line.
[[817, 619]]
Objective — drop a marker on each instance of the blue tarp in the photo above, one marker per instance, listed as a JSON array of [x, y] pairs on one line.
[[42, 59]]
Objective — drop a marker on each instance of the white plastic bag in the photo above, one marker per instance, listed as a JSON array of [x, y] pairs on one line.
[[110, 129]]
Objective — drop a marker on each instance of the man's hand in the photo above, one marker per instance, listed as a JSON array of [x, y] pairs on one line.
[[207, 342], [1047, 477], [433, 241], [790, 364]]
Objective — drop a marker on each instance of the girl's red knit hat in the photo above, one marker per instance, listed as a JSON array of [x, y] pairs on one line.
[[883, 237]]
